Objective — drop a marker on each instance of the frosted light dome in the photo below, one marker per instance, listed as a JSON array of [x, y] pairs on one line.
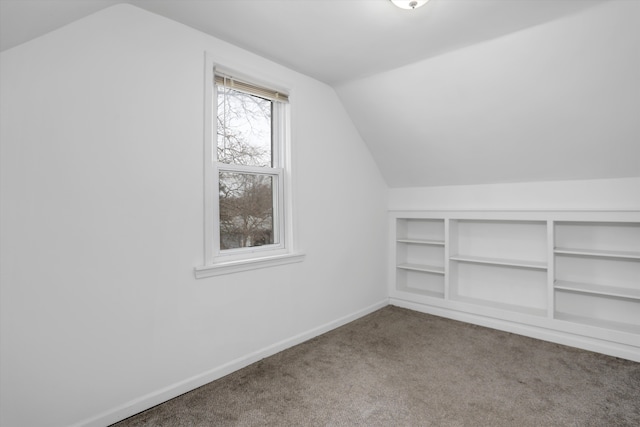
[[409, 4]]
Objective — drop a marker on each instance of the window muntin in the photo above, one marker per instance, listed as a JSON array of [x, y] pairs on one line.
[[249, 172]]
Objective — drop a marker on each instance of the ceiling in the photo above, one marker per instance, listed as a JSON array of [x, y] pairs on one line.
[[484, 91], [332, 40]]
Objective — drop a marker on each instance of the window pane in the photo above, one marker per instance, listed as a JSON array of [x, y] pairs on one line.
[[244, 128], [246, 210]]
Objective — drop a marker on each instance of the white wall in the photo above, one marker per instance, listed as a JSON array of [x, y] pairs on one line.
[[603, 194], [102, 222]]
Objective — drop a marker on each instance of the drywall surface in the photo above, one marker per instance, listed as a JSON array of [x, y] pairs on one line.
[[604, 194], [559, 101], [102, 222]]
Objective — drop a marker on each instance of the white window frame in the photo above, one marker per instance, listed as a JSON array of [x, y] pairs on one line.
[[217, 261]]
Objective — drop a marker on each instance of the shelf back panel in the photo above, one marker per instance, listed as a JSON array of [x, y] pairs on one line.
[[522, 240], [607, 310], [508, 285], [605, 236], [420, 282], [408, 253], [426, 229], [623, 273]]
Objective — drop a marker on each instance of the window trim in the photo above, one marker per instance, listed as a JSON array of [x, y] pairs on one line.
[[247, 264], [214, 262]]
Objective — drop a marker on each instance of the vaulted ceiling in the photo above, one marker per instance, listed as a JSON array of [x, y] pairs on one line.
[[456, 92], [331, 40]]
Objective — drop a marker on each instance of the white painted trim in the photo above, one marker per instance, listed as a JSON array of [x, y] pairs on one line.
[[210, 183], [522, 215], [216, 261], [162, 395], [246, 264], [552, 335]]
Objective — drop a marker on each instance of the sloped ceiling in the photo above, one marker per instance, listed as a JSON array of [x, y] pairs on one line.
[[331, 40], [560, 101], [456, 92]]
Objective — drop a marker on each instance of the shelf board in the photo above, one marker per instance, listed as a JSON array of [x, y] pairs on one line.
[[599, 323], [588, 288], [422, 267], [502, 306], [598, 253], [425, 292], [422, 241], [500, 261]]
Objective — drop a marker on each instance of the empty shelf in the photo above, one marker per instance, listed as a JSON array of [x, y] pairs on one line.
[[422, 242], [598, 253], [588, 288], [422, 267], [501, 261]]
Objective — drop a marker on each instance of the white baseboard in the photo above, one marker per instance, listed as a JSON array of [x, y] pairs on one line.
[[541, 333], [152, 399]]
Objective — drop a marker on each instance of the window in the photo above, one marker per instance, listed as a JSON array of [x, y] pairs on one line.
[[250, 176], [248, 221]]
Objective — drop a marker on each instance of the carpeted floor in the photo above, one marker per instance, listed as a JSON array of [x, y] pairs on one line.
[[397, 367]]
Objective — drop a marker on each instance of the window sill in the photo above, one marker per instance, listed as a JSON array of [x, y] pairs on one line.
[[247, 264]]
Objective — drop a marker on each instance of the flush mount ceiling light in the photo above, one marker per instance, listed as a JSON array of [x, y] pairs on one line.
[[409, 4]]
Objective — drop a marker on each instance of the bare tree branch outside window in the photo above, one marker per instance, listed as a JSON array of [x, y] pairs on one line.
[[246, 199]]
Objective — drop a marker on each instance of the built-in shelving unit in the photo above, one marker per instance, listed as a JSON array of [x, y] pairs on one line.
[[499, 263], [420, 256], [572, 277], [597, 279]]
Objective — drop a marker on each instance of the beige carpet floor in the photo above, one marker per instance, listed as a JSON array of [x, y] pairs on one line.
[[397, 367]]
